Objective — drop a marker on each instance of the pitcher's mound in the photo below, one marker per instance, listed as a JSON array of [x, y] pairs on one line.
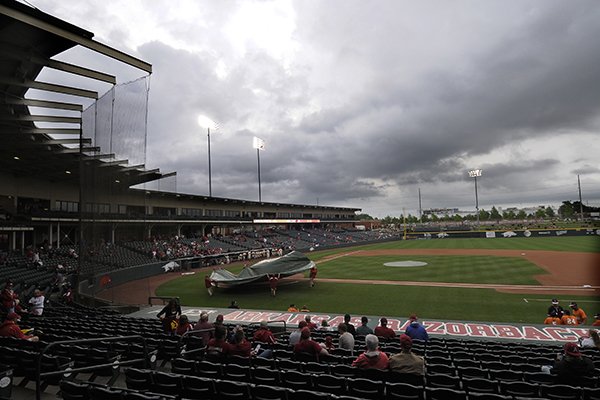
[[405, 264]]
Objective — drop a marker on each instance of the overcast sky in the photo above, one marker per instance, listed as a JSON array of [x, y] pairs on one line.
[[361, 103]]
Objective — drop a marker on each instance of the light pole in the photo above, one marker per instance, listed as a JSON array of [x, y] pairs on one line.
[[208, 123], [474, 173], [259, 145]]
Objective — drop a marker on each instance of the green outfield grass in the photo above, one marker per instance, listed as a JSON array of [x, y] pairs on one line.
[[400, 301], [466, 269], [586, 244]]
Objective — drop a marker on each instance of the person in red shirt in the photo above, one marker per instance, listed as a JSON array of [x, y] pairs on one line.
[[10, 328], [240, 346], [372, 358], [309, 346], [311, 325], [208, 283], [217, 346], [313, 276], [383, 331], [183, 326], [263, 334], [273, 280]]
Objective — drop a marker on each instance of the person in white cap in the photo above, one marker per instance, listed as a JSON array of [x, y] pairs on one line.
[[555, 309]]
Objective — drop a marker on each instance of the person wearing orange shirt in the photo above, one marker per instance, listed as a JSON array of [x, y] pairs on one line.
[[292, 308], [597, 320], [552, 320], [568, 319], [578, 313]]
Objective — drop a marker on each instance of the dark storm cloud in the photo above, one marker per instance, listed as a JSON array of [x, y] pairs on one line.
[[381, 97]]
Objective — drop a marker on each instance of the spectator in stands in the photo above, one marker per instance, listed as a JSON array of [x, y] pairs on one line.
[[578, 313], [292, 308], [373, 357], [555, 309], [328, 344], [184, 325], [68, 296], [551, 319], [264, 334], [218, 346], [36, 303], [596, 320], [208, 283], [169, 316], [571, 367], [406, 362], [305, 309], [346, 340], [294, 337], [9, 328], [363, 329], [324, 326], [349, 327], [311, 325], [206, 328], [415, 330], [591, 341], [240, 346], [309, 346], [568, 319], [10, 300], [383, 331]]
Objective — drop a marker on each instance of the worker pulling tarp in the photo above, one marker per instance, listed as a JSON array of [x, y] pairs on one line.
[[288, 265]]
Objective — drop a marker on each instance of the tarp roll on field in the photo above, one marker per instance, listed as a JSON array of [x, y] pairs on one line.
[[290, 264]]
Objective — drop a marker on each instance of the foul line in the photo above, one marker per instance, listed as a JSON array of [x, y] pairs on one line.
[[336, 257]]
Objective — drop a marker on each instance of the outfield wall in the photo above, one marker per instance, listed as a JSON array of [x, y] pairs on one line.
[[455, 329], [492, 234]]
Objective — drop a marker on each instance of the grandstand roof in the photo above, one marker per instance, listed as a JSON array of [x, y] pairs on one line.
[[29, 39]]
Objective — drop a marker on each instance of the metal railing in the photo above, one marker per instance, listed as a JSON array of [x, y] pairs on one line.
[[39, 374]]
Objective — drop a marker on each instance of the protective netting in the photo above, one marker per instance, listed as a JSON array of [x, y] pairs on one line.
[[117, 124], [117, 121]]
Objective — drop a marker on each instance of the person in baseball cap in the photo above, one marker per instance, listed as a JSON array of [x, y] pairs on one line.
[[578, 313], [555, 309], [406, 362], [572, 368], [415, 330], [9, 328]]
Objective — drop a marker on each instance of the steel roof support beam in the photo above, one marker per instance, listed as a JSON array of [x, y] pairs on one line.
[[45, 104], [76, 150], [46, 118], [85, 42], [16, 54], [50, 87], [113, 163]]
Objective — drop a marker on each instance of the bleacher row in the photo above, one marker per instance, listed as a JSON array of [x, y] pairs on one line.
[[454, 368], [110, 257]]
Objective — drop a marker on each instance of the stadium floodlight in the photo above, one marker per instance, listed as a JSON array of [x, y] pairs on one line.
[[258, 144], [208, 123], [474, 173]]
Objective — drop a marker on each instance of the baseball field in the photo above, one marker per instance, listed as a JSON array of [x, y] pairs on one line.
[[495, 280]]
